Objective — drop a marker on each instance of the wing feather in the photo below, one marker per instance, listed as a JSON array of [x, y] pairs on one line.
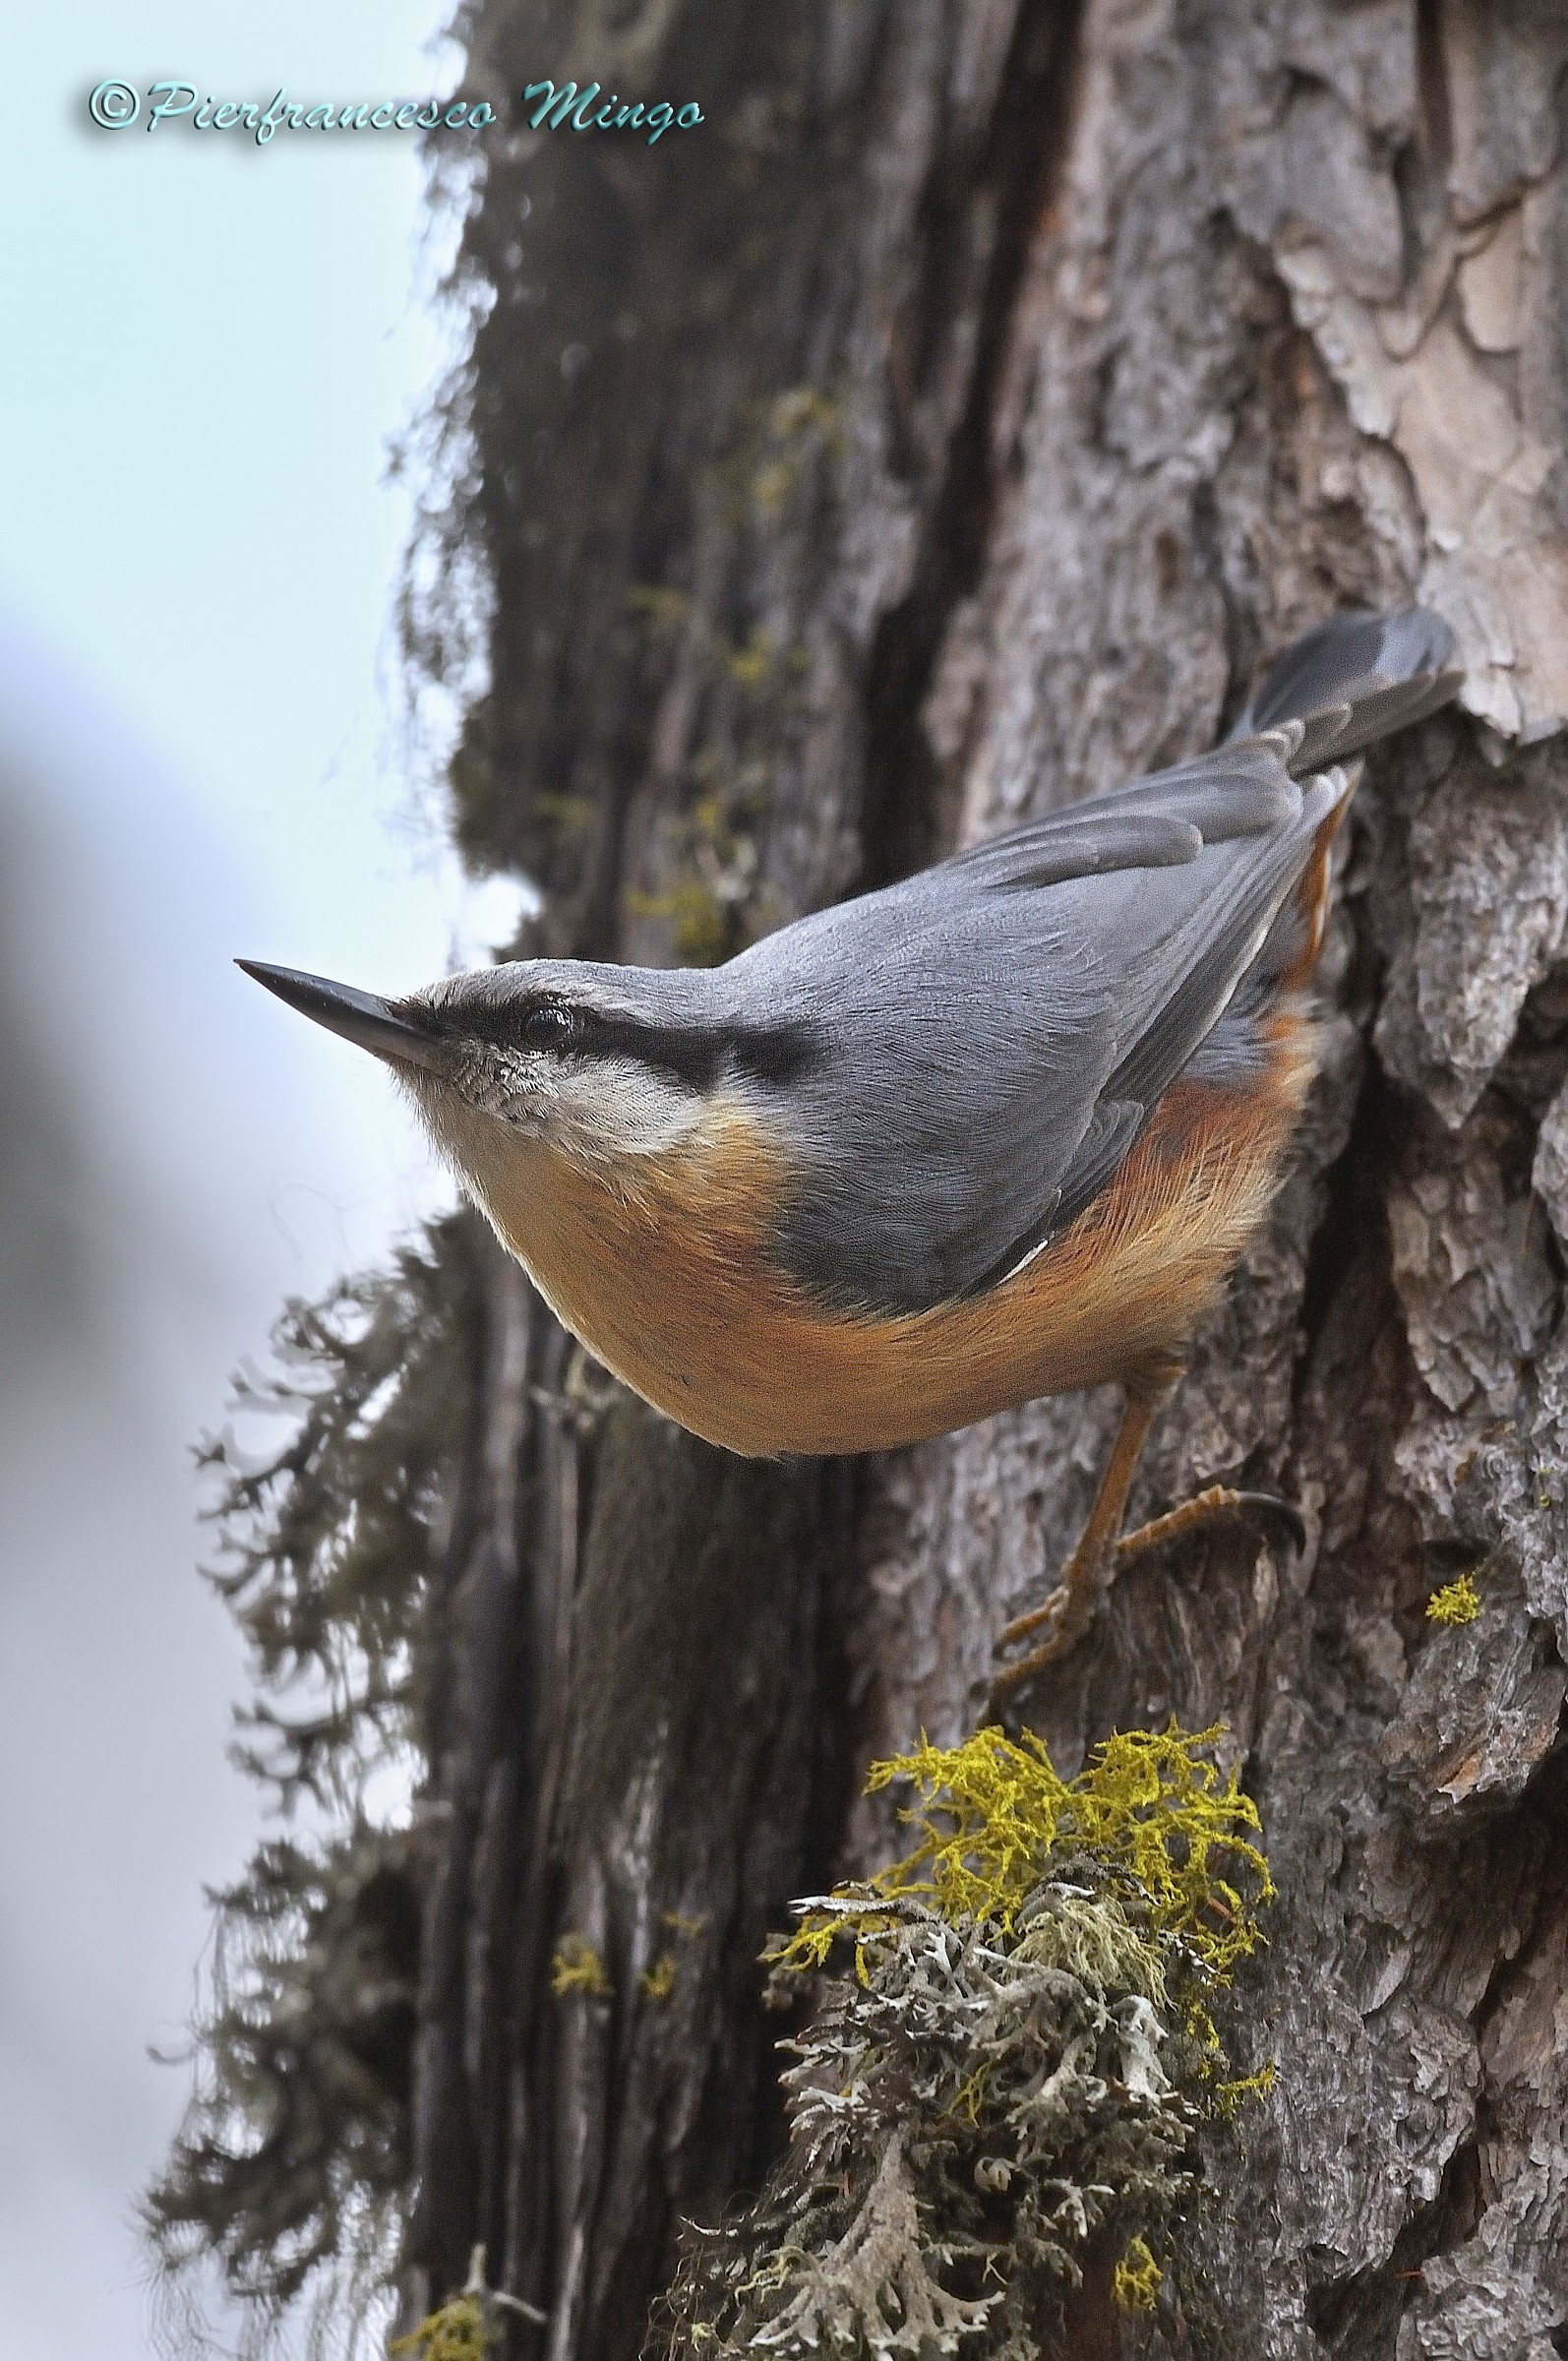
[[1355, 679]]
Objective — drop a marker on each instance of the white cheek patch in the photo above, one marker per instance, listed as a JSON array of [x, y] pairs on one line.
[[596, 1111], [605, 1107]]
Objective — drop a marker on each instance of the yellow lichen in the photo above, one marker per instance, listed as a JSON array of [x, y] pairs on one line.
[[701, 924], [1136, 2283], [993, 1812], [1149, 1839], [662, 606], [1228, 2096], [658, 1980], [750, 665], [571, 814], [800, 409], [468, 2325], [575, 1966], [458, 2332], [1456, 1603], [711, 861], [795, 422], [770, 487], [783, 436]]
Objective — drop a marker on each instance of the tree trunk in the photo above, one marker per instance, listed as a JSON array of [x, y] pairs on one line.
[[944, 430]]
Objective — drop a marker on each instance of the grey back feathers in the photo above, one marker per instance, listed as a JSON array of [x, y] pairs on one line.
[[994, 1033], [957, 1064]]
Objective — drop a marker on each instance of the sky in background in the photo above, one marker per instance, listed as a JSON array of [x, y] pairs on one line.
[[207, 350]]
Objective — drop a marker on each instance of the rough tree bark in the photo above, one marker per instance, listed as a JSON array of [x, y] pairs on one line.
[[945, 430]]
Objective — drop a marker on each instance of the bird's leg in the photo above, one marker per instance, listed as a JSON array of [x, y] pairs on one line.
[[1103, 1551], [1091, 1569]]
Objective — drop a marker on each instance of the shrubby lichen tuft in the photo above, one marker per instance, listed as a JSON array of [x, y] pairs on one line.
[[1456, 1603], [1013, 2045]]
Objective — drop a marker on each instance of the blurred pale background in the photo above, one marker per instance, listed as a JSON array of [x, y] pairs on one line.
[[208, 349]]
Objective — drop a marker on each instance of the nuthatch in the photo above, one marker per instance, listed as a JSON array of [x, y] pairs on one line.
[[996, 1131]]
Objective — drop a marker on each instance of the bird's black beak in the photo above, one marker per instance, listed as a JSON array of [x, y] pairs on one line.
[[359, 1016]]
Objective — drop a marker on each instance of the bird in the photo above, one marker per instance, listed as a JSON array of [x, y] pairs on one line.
[[995, 1131]]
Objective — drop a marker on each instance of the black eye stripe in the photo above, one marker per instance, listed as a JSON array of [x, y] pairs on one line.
[[686, 1054]]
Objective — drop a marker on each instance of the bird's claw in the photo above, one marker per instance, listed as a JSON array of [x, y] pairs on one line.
[[1269, 1510], [1062, 1621]]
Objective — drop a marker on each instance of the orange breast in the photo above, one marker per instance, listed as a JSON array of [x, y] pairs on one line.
[[670, 1284]]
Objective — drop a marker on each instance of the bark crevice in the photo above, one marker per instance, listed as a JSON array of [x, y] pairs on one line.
[[909, 810]]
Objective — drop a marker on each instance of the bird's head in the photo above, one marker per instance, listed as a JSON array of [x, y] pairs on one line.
[[594, 1063]]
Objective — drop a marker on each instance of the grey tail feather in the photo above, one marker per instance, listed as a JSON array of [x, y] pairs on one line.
[[1354, 680]]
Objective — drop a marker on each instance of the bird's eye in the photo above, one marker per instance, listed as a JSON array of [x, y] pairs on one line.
[[549, 1027]]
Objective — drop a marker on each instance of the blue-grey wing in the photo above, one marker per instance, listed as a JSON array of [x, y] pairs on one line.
[[988, 1040], [989, 1037]]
